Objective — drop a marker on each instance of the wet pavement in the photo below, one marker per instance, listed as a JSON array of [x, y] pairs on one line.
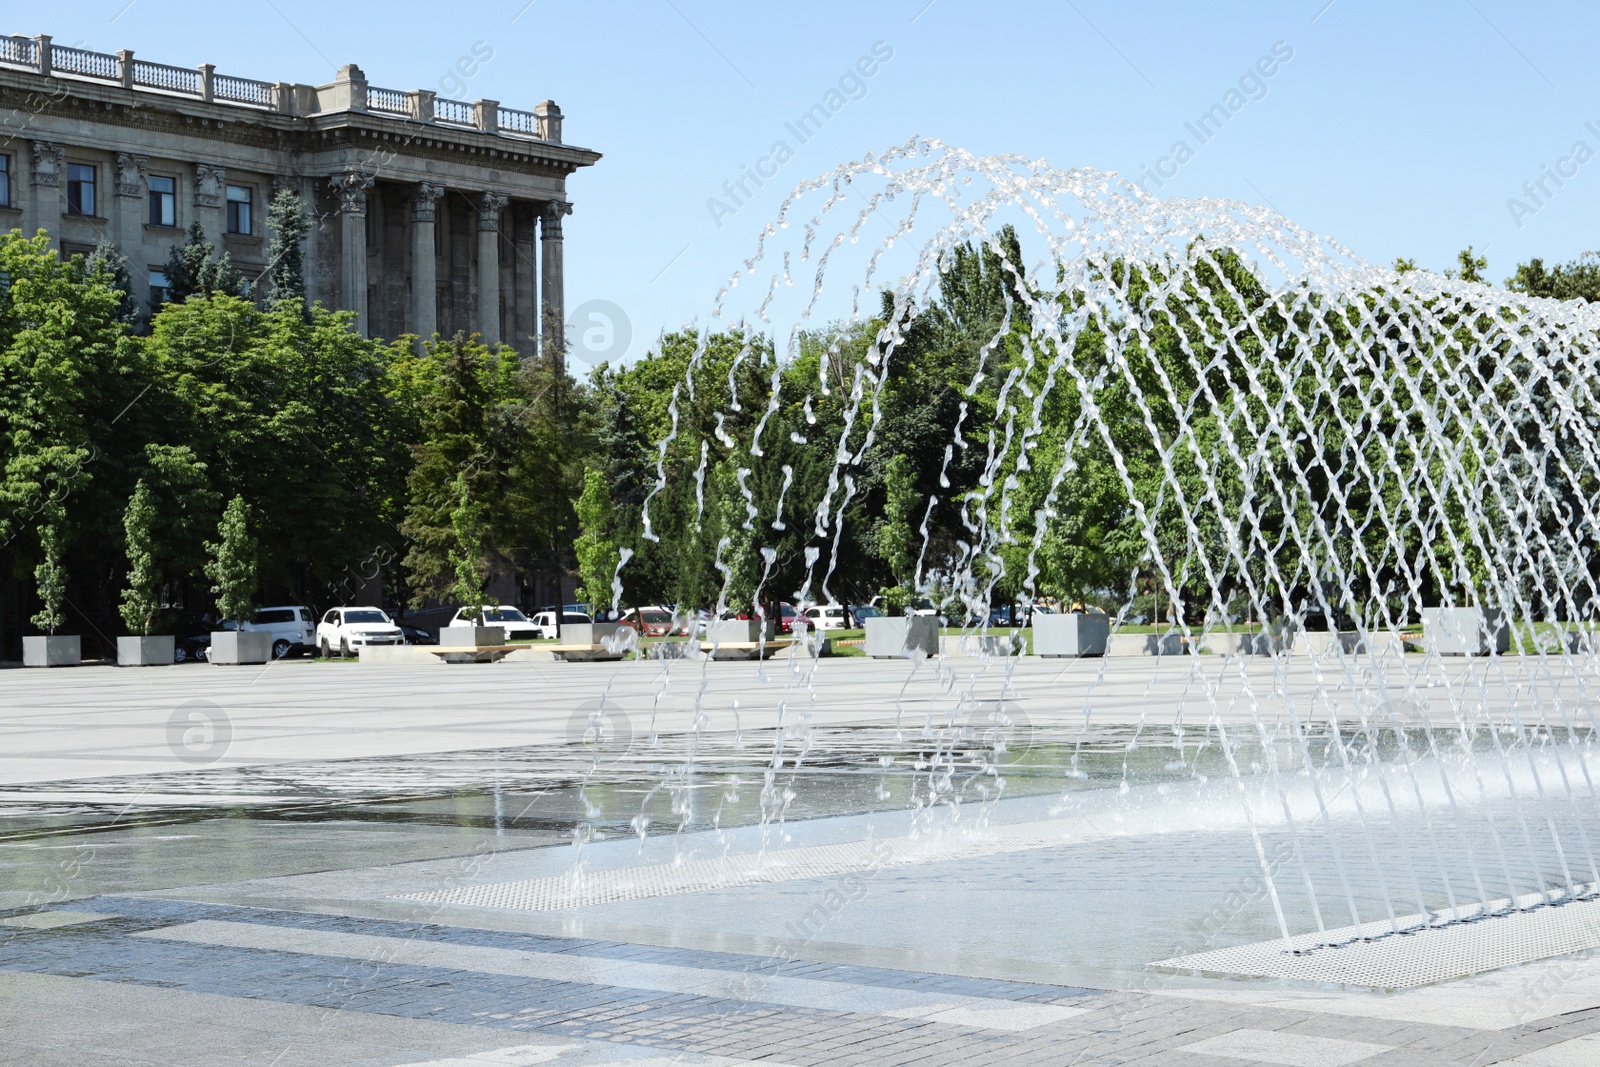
[[983, 889]]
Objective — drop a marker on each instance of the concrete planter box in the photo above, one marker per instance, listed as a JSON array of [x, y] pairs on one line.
[[145, 651], [899, 637], [1071, 635], [981, 645], [234, 647], [471, 636], [738, 631], [53, 651], [1323, 644], [684, 649], [613, 635], [1171, 644], [1464, 631]]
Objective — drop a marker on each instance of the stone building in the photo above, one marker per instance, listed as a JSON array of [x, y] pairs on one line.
[[433, 214]]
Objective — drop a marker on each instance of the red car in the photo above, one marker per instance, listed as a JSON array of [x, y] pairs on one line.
[[652, 622]]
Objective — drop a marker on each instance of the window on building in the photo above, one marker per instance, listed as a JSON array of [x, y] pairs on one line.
[[160, 288], [80, 189], [163, 201], [5, 181], [239, 209]]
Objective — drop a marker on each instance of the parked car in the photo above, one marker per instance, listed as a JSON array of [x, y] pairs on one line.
[[826, 617], [654, 622], [194, 647], [786, 618], [191, 634], [1013, 615], [351, 629], [291, 627], [518, 627], [416, 635], [860, 613], [544, 622]]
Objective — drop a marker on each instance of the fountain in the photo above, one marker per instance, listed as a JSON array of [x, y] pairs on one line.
[[1313, 456]]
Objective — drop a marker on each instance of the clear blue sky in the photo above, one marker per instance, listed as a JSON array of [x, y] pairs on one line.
[[1396, 129]]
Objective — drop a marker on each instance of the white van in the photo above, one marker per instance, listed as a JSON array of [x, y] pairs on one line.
[[291, 627]]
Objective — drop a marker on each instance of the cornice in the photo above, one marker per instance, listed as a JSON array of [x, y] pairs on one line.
[[25, 95]]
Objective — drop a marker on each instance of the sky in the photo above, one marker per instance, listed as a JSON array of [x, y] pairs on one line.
[[1399, 130]]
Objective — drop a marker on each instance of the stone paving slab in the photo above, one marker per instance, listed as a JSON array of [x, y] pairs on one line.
[[425, 994], [91, 722]]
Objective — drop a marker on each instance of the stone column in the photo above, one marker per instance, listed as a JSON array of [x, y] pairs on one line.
[[489, 207], [553, 313], [49, 161], [352, 188], [130, 210], [525, 302], [424, 271]]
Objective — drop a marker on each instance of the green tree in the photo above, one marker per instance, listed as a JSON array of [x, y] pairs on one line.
[[233, 564], [510, 430], [50, 575], [1577, 280], [448, 395], [289, 410], [68, 367], [109, 266], [598, 555], [466, 555], [1469, 268], [142, 597], [288, 221], [896, 538], [194, 269]]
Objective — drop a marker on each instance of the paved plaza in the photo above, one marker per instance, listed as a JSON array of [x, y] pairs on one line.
[[324, 863]]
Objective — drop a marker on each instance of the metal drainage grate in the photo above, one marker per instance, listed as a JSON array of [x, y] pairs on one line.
[[1434, 949]]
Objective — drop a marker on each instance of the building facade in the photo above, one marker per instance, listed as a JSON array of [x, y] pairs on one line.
[[433, 215]]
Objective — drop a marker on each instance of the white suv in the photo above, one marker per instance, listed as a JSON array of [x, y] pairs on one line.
[[290, 627], [349, 629], [513, 621]]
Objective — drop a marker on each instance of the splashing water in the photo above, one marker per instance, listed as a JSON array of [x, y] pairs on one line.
[[1297, 437]]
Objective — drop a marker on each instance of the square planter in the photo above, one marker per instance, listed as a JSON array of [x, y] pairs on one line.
[[901, 636], [676, 649], [1464, 631], [1058, 636], [52, 651], [992, 646], [145, 651], [234, 647], [613, 635], [737, 631], [472, 636]]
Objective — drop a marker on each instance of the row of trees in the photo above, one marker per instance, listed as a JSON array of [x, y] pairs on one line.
[[1203, 442], [127, 450], [134, 456]]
